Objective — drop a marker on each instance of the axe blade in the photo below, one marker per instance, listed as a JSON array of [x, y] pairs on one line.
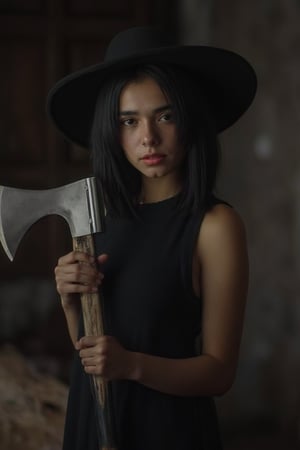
[[78, 203]]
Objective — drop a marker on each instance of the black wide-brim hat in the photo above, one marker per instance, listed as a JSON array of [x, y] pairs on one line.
[[228, 80]]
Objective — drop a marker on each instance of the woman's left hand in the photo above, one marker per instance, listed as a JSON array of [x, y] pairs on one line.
[[105, 356]]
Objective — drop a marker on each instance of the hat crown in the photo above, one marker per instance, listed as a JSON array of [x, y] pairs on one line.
[[230, 82], [134, 41]]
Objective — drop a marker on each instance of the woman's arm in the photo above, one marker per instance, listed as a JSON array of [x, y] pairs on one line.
[[222, 267]]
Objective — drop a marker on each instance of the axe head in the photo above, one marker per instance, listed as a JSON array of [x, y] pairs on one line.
[[78, 203]]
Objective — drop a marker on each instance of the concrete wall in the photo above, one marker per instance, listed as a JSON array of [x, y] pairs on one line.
[[260, 176]]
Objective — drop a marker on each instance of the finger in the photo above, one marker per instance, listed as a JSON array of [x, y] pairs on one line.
[[90, 361], [78, 274], [73, 288], [88, 341], [96, 367], [102, 258], [65, 286], [75, 257], [94, 351]]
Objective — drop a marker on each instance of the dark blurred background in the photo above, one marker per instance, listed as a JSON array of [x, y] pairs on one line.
[[43, 40]]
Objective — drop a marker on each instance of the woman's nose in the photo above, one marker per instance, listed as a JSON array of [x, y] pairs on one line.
[[150, 136]]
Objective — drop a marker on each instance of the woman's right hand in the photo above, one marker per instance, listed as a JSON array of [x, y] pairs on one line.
[[77, 273]]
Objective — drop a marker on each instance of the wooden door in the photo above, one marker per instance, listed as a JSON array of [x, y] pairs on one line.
[[40, 42]]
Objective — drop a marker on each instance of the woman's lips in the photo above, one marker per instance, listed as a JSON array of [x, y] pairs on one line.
[[152, 160]]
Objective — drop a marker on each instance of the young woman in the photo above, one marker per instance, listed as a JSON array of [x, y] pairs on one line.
[[172, 263]]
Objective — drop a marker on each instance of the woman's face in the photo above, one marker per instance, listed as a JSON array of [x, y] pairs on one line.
[[148, 133]]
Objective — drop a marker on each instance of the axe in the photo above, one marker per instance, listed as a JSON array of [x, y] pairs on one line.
[[78, 204]]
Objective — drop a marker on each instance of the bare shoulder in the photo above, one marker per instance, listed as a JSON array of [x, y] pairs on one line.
[[222, 219], [222, 229], [221, 254]]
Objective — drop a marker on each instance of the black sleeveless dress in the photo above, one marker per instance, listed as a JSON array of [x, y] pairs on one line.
[[150, 307]]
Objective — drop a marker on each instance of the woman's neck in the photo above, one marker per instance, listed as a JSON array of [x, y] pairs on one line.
[[156, 190]]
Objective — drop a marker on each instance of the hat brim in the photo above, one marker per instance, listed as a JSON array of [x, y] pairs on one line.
[[228, 79]]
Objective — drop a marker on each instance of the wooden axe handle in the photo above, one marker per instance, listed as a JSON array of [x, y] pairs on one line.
[[92, 310]]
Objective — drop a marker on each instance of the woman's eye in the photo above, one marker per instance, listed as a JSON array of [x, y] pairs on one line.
[[167, 117], [127, 122]]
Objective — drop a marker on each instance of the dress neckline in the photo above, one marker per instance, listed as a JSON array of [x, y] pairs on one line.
[[165, 201]]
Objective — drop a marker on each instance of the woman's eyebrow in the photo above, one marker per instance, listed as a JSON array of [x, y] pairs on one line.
[[156, 110]]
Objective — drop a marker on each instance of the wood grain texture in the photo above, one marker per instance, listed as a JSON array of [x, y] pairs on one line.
[[94, 326]]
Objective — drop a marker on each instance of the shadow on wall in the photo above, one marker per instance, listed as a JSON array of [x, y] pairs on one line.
[[31, 318]]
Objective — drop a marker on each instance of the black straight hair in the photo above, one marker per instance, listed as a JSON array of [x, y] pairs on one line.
[[120, 182]]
